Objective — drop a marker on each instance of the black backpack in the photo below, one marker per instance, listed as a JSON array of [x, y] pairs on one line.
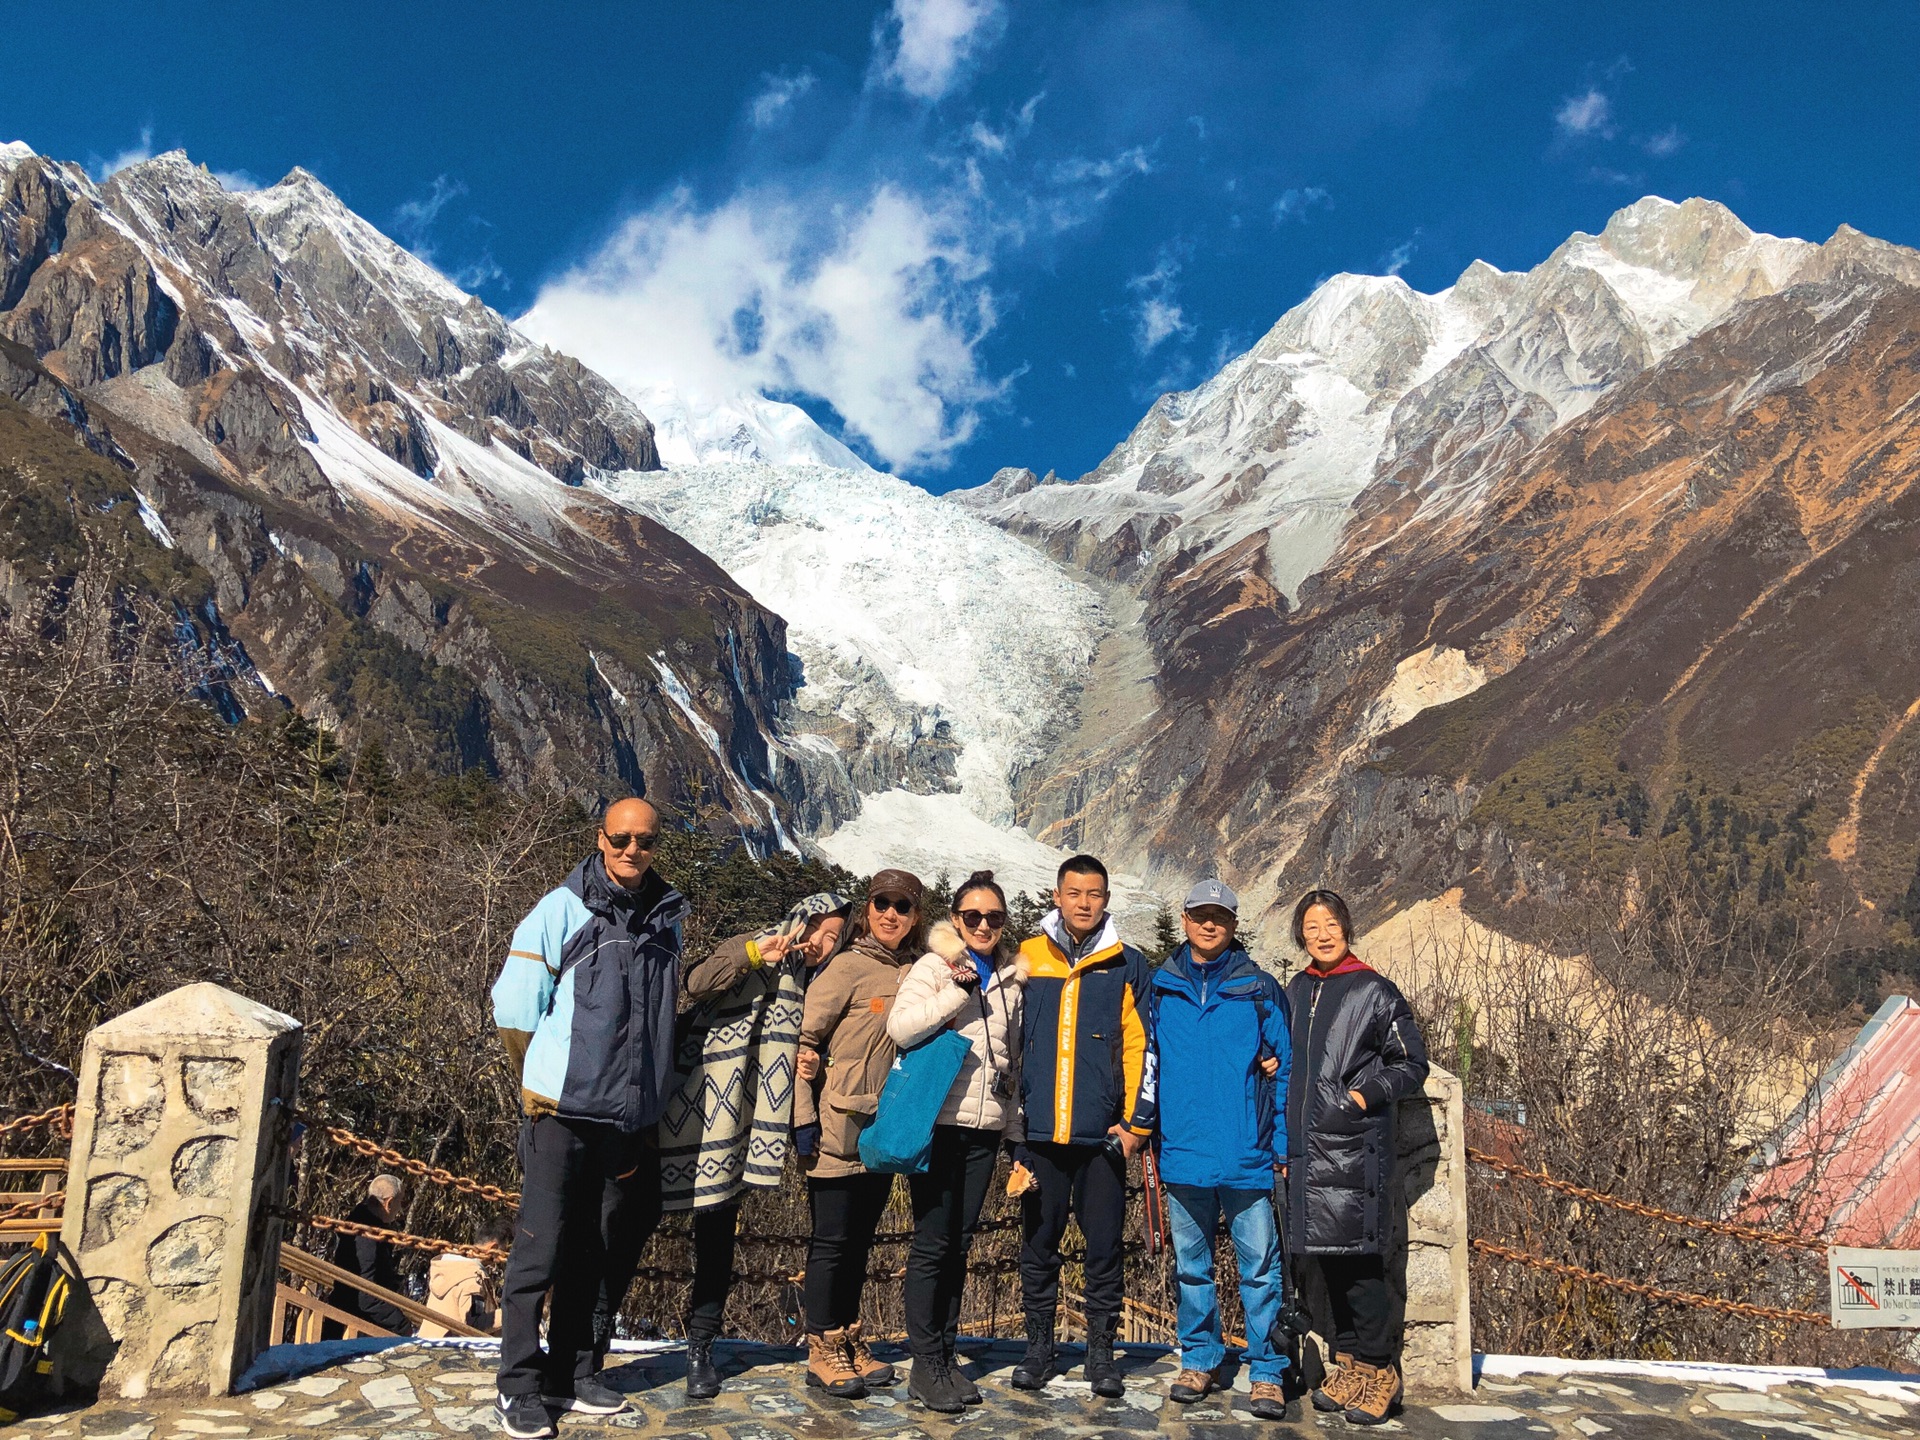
[[34, 1286]]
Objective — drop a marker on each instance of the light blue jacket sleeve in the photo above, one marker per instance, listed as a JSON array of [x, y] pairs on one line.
[[525, 988], [1279, 1043]]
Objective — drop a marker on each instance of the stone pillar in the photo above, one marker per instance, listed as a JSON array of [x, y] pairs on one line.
[[180, 1159], [1431, 1215]]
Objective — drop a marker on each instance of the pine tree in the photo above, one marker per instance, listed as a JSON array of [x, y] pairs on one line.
[[1166, 935]]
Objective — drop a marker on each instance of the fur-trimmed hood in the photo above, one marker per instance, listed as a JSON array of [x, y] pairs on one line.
[[944, 940]]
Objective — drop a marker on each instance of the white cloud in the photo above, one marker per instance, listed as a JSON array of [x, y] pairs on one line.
[[1589, 113], [1395, 260], [413, 220], [877, 308], [926, 44], [1294, 204], [776, 97], [238, 181], [1158, 317], [132, 155], [1667, 142]]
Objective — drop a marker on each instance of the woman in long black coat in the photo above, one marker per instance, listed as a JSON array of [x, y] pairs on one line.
[[1356, 1052]]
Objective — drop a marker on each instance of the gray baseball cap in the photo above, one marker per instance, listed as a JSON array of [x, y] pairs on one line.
[[1212, 892]]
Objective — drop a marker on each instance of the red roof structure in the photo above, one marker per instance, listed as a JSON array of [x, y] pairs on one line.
[[1846, 1166]]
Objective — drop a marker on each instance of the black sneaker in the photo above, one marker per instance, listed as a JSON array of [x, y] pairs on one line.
[[1037, 1366], [589, 1397], [703, 1381], [525, 1417]]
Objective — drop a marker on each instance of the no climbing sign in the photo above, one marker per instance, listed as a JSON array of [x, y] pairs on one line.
[[1874, 1288]]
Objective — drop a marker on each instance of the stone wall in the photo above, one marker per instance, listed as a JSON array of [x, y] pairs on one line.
[[1431, 1214], [179, 1164]]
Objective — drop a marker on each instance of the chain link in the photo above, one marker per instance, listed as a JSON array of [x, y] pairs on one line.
[[419, 1169], [1650, 1292], [34, 1206], [402, 1238], [60, 1117], [1737, 1231]]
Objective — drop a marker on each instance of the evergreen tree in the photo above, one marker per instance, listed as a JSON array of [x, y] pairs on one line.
[[1166, 935]]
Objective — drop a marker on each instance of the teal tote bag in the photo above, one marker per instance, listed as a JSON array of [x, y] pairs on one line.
[[901, 1135]]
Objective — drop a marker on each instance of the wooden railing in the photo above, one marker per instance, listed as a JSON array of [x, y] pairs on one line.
[[39, 1219], [309, 1312]]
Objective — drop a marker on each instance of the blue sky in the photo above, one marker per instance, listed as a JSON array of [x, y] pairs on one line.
[[969, 233]]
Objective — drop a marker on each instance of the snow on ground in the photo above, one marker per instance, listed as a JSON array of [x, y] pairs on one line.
[[893, 598], [935, 834]]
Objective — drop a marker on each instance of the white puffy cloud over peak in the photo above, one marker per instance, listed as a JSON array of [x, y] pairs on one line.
[[876, 308], [925, 45]]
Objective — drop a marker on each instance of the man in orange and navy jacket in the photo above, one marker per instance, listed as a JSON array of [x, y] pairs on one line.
[[1088, 1094]]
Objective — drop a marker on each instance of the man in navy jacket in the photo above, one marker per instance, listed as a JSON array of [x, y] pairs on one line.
[[1219, 1025], [585, 1004]]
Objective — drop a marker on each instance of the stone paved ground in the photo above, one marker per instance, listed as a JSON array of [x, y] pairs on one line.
[[423, 1392]]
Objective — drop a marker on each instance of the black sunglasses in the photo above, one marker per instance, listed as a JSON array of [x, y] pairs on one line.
[[618, 840], [884, 903], [992, 919]]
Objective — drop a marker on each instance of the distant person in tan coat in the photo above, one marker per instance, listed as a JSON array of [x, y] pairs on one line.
[[844, 1058], [465, 1287]]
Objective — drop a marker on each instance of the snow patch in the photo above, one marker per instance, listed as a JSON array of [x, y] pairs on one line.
[[150, 517], [675, 690], [1894, 1386]]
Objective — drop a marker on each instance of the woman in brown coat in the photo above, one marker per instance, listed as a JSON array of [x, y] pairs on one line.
[[844, 1058]]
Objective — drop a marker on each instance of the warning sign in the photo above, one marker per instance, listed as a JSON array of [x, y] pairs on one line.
[[1874, 1288]]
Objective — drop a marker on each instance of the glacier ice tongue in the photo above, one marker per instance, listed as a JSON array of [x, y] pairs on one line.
[[903, 609]]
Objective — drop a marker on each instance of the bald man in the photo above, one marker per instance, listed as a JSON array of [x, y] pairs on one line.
[[370, 1260], [585, 1004]]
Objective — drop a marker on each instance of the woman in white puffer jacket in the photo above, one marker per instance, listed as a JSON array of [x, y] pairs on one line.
[[972, 981]]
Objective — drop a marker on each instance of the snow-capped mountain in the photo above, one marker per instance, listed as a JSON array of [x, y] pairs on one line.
[[1351, 385], [1469, 589], [381, 476], [746, 428]]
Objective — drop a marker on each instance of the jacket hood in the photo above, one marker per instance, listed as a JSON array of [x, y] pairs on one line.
[[1180, 968], [1350, 964], [654, 899], [1055, 928]]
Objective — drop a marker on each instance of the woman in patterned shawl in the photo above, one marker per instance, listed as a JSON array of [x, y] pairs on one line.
[[726, 1125]]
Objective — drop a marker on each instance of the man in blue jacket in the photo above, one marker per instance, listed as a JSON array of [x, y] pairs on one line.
[[1219, 1025], [585, 1004]]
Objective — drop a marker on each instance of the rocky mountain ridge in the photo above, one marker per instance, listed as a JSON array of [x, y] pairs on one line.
[[1508, 588], [383, 479]]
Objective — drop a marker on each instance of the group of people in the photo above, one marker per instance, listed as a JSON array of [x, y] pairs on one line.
[[650, 1085]]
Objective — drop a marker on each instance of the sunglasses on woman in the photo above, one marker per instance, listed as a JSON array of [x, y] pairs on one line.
[[991, 919], [885, 903]]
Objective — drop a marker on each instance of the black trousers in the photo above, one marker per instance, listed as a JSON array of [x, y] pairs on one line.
[[846, 1212], [1087, 1181], [947, 1200], [1362, 1308], [589, 1202], [713, 1234]]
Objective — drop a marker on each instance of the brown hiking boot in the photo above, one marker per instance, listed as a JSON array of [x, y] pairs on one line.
[[1268, 1401], [1379, 1394], [1189, 1386], [828, 1365], [1340, 1387], [870, 1370]]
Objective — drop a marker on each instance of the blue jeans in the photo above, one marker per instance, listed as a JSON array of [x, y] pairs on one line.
[[1196, 1212]]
